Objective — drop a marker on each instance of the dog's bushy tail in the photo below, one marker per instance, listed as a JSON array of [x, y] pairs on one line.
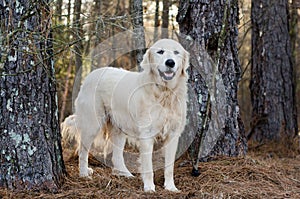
[[71, 136], [69, 132]]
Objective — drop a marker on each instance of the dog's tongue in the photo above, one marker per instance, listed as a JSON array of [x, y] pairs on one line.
[[168, 74]]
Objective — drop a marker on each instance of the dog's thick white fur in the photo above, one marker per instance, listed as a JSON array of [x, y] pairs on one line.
[[114, 105]]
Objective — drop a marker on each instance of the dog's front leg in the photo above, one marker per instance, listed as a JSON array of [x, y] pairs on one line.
[[146, 149], [170, 148]]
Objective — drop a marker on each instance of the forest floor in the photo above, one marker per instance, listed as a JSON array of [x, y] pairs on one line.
[[268, 171]]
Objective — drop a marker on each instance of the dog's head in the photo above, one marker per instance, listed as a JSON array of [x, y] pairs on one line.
[[166, 59]]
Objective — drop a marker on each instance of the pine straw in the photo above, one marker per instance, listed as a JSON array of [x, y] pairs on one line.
[[263, 173]]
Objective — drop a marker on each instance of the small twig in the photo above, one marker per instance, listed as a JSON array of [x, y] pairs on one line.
[[108, 184]]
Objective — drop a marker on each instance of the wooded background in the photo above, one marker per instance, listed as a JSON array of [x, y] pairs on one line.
[[266, 70], [99, 20]]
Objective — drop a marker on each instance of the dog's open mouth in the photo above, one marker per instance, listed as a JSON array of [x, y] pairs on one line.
[[167, 75]]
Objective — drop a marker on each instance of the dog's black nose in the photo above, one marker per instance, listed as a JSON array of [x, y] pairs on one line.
[[170, 63]]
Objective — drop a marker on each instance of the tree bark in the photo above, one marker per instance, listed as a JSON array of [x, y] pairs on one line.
[[156, 20], [30, 144], [136, 11], [165, 19], [212, 25], [96, 14], [294, 28], [69, 12], [294, 34], [58, 10], [272, 87], [78, 47]]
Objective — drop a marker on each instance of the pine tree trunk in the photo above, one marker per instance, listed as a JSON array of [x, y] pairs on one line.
[[58, 9], [214, 112], [272, 87], [69, 12], [97, 32], [156, 20], [165, 19], [78, 47], [136, 11], [30, 144], [294, 31]]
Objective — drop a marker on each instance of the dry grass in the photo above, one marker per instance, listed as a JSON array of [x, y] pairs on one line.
[[268, 171]]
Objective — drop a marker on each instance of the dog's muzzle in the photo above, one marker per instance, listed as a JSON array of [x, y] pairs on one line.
[[168, 74]]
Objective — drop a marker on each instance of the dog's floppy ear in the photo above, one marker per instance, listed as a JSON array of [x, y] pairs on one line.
[[185, 62], [147, 60]]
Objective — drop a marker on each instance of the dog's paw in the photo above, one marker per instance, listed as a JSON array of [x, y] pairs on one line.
[[90, 171], [86, 172], [122, 173], [172, 188], [149, 189]]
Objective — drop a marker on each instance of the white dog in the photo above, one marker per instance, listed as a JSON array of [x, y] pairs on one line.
[[114, 105]]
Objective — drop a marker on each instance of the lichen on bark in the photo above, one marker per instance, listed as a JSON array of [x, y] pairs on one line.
[[31, 154], [212, 27]]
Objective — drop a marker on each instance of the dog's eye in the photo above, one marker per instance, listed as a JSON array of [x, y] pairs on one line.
[[176, 52], [160, 52]]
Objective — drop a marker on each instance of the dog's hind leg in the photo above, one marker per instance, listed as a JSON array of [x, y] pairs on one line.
[[118, 141], [88, 132]]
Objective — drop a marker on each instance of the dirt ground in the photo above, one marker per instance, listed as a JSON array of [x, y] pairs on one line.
[[266, 172]]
